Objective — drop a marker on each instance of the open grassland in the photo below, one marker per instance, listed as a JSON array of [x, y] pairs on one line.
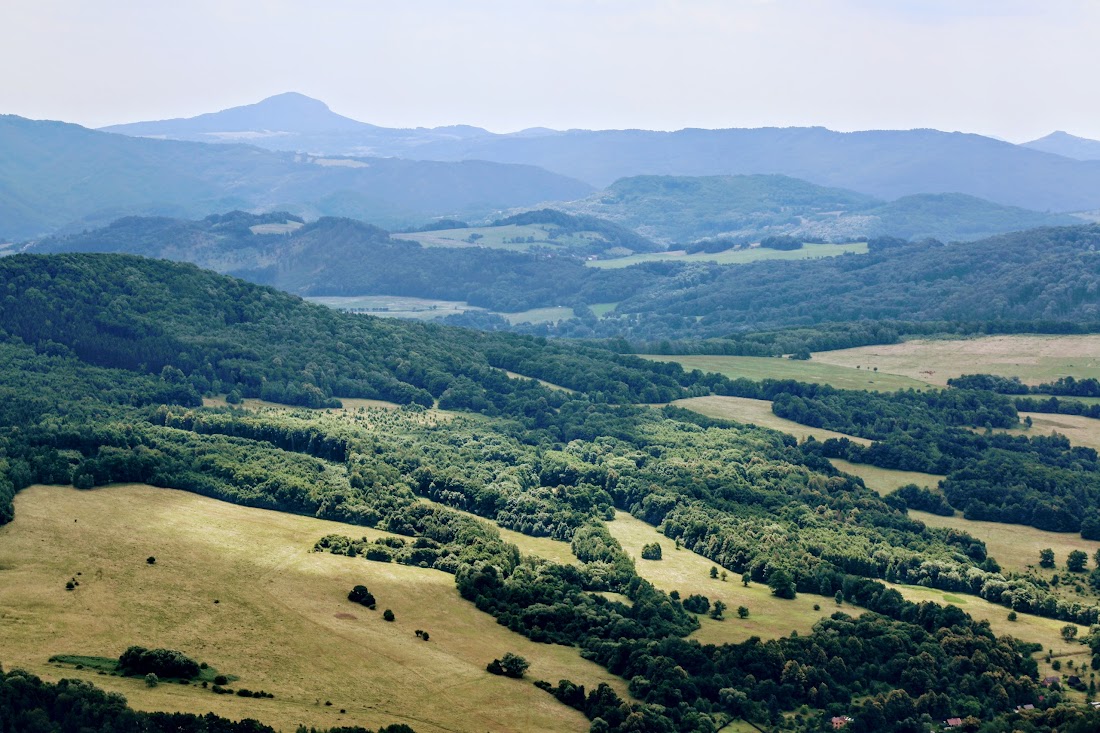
[[814, 372], [285, 228], [544, 547], [540, 315], [1015, 546], [283, 623], [1045, 631], [1035, 359], [885, 480], [394, 306], [511, 236], [736, 256], [684, 571], [1080, 430], [543, 382], [349, 404], [757, 412]]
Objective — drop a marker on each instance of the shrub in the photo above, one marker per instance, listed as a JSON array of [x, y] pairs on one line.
[[221, 679], [151, 560], [387, 615], [359, 594]]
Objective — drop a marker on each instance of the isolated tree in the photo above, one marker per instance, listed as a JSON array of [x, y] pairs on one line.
[[724, 575], [781, 583], [359, 594], [387, 615], [1012, 616], [713, 572], [742, 611], [1077, 561], [716, 610], [151, 680], [745, 579], [839, 598], [510, 665], [1046, 558], [151, 560], [1069, 632]]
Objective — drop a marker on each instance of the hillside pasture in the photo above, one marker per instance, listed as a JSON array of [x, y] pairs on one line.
[[737, 256], [815, 372], [510, 236], [885, 480], [684, 571], [1033, 358], [394, 306], [282, 621], [758, 412]]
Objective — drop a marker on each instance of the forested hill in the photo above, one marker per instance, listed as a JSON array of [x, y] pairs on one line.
[[1018, 280], [55, 175], [218, 333], [1014, 281]]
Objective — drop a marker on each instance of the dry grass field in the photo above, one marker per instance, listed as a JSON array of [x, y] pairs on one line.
[[1015, 546], [757, 412], [395, 306], [809, 251], [1035, 359], [885, 480], [282, 623], [813, 371], [1080, 430], [687, 572]]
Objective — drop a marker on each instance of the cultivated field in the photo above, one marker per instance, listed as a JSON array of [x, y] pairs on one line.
[[812, 371], [736, 256], [757, 412], [282, 623], [885, 480], [1035, 359]]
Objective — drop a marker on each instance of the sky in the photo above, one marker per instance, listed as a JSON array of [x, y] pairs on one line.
[[1013, 69]]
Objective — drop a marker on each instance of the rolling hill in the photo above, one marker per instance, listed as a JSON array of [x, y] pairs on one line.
[[886, 164], [55, 175], [683, 209], [1066, 145]]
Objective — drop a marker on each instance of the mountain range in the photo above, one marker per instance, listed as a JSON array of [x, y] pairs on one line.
[[886, 164], [56, 176]]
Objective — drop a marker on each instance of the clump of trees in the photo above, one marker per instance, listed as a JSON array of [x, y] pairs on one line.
[[510, 665], [359, 594], [139, 661], [651, 551]]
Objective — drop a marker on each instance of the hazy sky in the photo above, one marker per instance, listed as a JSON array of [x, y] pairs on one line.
[[1012, 68]]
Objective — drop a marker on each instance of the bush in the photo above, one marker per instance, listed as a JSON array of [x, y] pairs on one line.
[[510, 665], [151, 680], [387, 615], [221, 679], [162, 662], [359, 594]]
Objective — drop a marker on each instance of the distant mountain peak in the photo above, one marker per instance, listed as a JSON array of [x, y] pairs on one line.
[[287, 112], [1063, 143]]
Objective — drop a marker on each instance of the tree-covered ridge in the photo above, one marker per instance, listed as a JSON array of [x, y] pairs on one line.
[[745, 208], [539, 461], [29, 704]]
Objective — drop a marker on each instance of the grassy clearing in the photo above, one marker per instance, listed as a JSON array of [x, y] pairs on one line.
[[502, 237], [393, 306], [602, 309], [1045, 631], [757, 412], [1080, 430], [1014, 546], [349, 404], [736, 256], [813, 371], [543, 382], [1035, 359], [285, 228], [544, 547], [683, 570], [282, 623], [540, 315], [884, 480]]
